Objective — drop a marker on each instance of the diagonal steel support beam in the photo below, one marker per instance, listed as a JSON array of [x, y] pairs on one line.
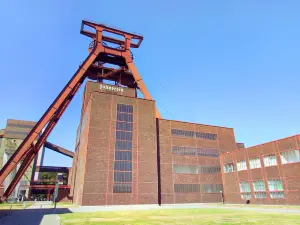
[[59, 149]]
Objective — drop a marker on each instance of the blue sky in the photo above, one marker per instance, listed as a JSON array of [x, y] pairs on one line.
[[225, 63]]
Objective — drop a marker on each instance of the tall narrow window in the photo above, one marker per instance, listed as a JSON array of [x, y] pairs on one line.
[[245, 187], [254, 163], [123, 150], [241, 165], [245, 190], [229, 167], [270, 160], [259, 189], [259, 185]]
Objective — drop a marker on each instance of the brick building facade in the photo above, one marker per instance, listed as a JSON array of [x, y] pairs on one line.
[[124, 155], [264, 174], [115, 160], [189, 161]]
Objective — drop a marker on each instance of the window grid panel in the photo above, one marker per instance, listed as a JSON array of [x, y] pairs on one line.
[[246, 196], [123, 135], [212, 188], [122, 176], [123, 166], [241, 165], [260, 194], [277, 194], [270, 160], [195, 169], [124, 126], [245, 187], [192, 134], [186, 169], [122, 188], [259, 185], [124, 117], [290, 156], [228, 167], [275, 185], [123, 150], [254, 163], [123, 155], [123, 145], [186, 188], [192, 151], [209, 169], [125, 108]]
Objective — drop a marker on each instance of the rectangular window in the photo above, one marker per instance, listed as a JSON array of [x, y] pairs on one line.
[[208, 136], [210, 169], [195, 169], [125, 108], [275, 185], [259, 185], [124, 135], [123, 148], [260, 194], [277, 194], [122, 176], [122, 188], [246, 196], [125, 117], [192, 134], [182, 150], [270, 160], [186, 188], [123, 166], [192, 151], [241, 165], [290, 156], [229, 167], [212, 188], [182, 133], [123, 145], [124, 126], [123, 155], [245, 187], [188, 169], [208, 152], [254, 163]]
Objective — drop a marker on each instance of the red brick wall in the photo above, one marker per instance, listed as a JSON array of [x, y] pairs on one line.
[[64, 195], [225, 142]]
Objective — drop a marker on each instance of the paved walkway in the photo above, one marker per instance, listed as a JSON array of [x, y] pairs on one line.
[[36, 214]]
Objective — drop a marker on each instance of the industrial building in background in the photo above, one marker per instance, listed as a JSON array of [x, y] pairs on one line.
[[38, 181], [125, 153]]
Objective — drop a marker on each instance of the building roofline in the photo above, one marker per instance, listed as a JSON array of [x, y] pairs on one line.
[[25, 121], [195, 123], [242, 149]]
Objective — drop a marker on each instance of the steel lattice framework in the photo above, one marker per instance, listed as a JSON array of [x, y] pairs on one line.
[[109, 47]]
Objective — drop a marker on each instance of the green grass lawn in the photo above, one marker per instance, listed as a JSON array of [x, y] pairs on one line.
[[13, 205], [297, 207], [64, 205], [181, 216]]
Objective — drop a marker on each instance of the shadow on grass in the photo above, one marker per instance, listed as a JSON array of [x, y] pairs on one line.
[[28, 216]]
